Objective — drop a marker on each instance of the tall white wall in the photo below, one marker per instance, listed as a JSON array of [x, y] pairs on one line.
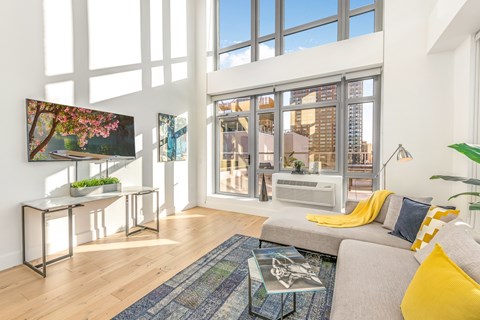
[[25, 72], [463, 117], [417, 103]]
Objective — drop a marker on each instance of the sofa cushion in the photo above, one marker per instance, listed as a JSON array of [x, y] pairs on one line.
[[394, 207], [457, 240], [440, 290], [289, 226], [436, 218], [410, 219], [370, 281], [383, 212]]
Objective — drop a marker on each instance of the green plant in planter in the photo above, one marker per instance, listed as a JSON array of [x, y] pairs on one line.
[[298, 164], [94, 182], [472, 152]]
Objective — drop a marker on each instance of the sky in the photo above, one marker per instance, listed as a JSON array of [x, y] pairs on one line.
[[235, 25]]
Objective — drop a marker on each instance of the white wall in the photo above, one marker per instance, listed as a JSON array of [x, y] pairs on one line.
[[26, 70], [463, 117], [450, 22], [417, 103]]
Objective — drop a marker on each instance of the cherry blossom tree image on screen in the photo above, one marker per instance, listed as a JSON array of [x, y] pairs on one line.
[[76, 132]]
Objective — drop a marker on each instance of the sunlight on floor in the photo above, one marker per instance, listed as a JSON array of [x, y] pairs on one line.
[[124, 245], [178, 217]]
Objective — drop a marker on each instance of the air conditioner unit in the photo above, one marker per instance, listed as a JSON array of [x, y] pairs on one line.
[[308, 192]]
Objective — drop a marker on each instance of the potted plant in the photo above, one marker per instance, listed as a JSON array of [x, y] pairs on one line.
[[95, 186], [298, 165], [472, 152]]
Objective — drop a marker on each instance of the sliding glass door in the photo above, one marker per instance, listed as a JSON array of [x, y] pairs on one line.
[[235, 155]]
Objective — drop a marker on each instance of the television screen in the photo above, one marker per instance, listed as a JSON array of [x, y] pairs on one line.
[[60, 132]]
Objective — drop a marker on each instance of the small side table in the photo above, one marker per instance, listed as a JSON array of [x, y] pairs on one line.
[[254, 274]]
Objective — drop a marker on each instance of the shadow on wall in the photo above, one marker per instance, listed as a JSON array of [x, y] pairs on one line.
[[100, 50], [92, 50], [112, 48]]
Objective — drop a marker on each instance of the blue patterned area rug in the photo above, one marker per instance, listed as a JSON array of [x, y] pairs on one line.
[[216, 287]]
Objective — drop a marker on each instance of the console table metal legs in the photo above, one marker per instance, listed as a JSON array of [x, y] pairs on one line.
[[50, 205], [135, 214], [41, 268]]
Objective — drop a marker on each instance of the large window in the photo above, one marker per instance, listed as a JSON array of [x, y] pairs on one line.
[[331, 126], [361, 137], [251, 30]]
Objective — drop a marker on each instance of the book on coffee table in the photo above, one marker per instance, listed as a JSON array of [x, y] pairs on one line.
[[284, 269]]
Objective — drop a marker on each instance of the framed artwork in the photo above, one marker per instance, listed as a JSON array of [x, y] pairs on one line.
[[172, 138]]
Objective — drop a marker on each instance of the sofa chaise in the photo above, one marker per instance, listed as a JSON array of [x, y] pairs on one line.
[[374, 268]]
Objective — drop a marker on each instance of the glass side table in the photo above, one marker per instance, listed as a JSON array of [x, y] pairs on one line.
[[281, 270]]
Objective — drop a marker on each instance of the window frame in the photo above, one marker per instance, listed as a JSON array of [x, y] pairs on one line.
[[341, 143], [375, 99], [342, 18], [316, 105], [251, 150]]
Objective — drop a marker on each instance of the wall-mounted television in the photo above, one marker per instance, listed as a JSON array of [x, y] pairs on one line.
[[57, 132]]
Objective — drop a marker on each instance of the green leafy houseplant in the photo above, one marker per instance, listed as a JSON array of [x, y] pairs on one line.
[[298, 164], [472, 152], [94, 182]]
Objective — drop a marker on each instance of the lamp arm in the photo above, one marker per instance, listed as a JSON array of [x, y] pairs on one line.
[[385, 164]]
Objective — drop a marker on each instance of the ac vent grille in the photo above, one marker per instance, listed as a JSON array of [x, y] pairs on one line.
[[308, 192], [298, 183]]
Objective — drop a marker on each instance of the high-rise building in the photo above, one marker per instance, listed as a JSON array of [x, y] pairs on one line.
[[318, 124]]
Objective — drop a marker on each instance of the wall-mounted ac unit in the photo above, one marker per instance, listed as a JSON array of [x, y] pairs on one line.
[[308, 192]]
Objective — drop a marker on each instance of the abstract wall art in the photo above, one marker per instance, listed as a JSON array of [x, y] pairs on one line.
[[172, 137]]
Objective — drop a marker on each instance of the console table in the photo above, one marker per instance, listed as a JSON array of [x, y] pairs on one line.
[[50, 205]]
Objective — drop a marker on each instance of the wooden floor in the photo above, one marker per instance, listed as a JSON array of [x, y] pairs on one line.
[[106, 276]]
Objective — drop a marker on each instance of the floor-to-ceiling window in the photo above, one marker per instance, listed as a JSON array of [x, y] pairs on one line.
[[332, 126]]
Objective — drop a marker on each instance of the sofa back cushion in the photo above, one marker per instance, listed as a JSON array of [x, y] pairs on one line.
[[457, 240], [440, 290], [383, 212], [394, 207]]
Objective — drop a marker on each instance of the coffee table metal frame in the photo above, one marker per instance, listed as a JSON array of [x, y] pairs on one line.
[[250, 295]]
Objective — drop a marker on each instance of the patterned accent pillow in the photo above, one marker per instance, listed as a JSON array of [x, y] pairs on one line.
[[435, 219]]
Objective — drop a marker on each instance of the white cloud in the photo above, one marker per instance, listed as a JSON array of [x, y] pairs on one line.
[[243, 56], [265, 51], [235, 58]]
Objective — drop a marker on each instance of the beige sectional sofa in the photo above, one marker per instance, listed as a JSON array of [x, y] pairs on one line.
[[374, 268]]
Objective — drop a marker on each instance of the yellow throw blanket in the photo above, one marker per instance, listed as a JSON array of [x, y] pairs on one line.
[[365, 212]]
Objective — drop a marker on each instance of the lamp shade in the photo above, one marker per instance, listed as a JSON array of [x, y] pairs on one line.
[[403, 155]]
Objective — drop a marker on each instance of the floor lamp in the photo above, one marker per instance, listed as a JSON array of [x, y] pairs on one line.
[[402, 155]]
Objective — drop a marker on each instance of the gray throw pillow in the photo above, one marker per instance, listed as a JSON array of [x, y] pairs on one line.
[[395, 206], [457, 241], [410, 219]]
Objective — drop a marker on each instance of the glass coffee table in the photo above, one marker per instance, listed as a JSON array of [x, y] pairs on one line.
[[282, 270]]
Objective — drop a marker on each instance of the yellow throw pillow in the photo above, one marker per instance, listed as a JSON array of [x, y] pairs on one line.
[[435, 219], [440, 290]]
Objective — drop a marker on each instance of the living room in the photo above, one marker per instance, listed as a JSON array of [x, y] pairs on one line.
[[142, 58]]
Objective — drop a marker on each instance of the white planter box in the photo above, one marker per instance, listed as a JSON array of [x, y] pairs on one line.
[[82, 192]]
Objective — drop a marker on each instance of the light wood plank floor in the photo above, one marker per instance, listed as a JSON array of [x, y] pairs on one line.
[[106, 276]]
